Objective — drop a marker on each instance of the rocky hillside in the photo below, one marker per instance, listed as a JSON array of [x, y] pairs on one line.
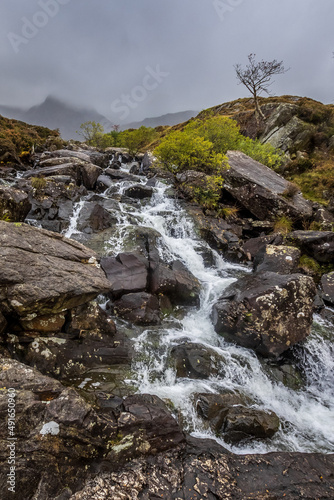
[[18, 140], [299, 126], [131, 317]]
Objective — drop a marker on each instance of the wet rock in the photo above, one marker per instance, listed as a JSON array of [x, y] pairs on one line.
[[267, 312], [147, 426], [128, 272], [248, 423], [14, 204], [44, 273], [229, 417], [139, 191], [261, 191], [119, 175], [82, 155], [103, 182], [179, 284], [94, 218], [147, 161], [327, 285], [141, 308], [220, 235], [89, 175], [135, 168], [196, 361], [285, 373], [317, 244], [280, 259], [3, 323]]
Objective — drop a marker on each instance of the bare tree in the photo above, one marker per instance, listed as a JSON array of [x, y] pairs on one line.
[[257, 77]]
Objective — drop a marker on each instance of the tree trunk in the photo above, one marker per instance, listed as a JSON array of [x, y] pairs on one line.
[[257, 108]]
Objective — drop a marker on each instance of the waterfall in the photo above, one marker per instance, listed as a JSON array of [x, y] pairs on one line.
[[306, 414]]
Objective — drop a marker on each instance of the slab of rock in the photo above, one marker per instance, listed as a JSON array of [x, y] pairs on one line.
[[280, 259], [253, 246], [140, 308], [191, 360], [204, 470], [317, 244], [267, 312], [139, 191], [94, 217], [14, 204], [43, 273], [327, 285], [261, 191], [127, 273]]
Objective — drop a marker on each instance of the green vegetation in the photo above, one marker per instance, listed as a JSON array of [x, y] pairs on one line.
[[92, 133], [137, 139], [317, 183], [209, 194], [283, 225], [202, 144], [38, 183]]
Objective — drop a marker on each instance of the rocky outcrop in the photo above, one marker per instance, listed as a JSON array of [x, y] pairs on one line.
[[53, 422], [14, 204], [317, 244], [263, 192], [139, 192], [43, 273], [267, 312]]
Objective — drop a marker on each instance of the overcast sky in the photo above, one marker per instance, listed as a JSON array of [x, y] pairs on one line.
[[132, 59]]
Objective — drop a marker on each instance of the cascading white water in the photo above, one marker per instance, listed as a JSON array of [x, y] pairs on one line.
[[306, 415]]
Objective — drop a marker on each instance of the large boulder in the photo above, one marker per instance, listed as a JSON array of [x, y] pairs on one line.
[[228, 416], [317, 244], [139, 191], [140, 308], [94, 217], [267, 312], [263, 192], [14, 204], [127, 273], [191, 360], [177, 282], [43, 273]]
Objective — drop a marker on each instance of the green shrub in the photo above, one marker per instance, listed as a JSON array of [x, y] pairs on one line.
[[137, 139], [283, 225], [38, 183], [185, 150], [208, 196]]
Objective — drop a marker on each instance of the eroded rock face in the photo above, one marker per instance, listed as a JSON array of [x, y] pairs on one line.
[[261, 191], [266, 312], [14, 204], [43, 273]]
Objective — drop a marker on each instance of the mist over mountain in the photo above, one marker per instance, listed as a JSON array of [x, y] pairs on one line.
[[169, 119]]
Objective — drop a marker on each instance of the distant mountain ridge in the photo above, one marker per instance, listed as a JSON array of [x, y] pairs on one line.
[[169, 119], [55, 114]]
